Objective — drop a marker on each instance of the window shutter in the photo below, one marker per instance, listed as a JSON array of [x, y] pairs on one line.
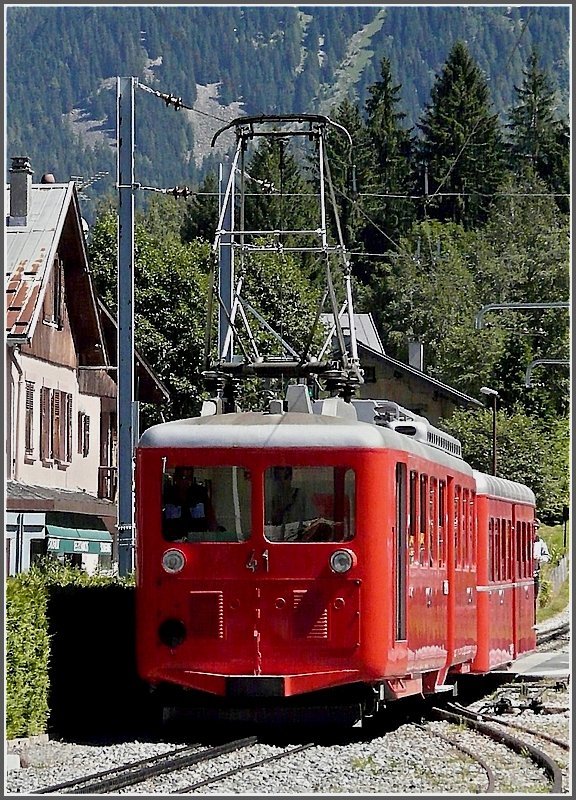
[[29, 424], [45, 419], [67, 426], [56, 426], [86, 435]]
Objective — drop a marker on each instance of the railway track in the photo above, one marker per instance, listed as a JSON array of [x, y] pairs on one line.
[[551, 635], [139, 771], [231, 772], [490, 777], [494, 728]]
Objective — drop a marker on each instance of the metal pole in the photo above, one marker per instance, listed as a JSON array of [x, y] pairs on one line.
[[125, 150], [226, 263], [494, 395], [494, 398]]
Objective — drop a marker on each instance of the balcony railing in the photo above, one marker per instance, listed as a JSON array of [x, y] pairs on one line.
[[107, 483]]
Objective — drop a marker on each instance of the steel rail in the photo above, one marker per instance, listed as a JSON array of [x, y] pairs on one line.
[[139, 771], [541, 758], [236, 770], [509, 724], [555, 633], [491, 779]]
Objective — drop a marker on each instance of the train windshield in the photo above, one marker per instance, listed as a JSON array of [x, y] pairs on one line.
[[309, 504], [206, 504]]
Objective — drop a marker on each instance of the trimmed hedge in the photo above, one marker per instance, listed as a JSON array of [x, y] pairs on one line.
[[27, 656], [71, 664]]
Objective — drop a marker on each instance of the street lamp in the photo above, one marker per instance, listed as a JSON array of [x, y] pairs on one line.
[[494, 395]]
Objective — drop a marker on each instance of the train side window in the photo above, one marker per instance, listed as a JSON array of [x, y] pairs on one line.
[[309, 504], [432, 529], [527, 551], [401, 551], [464, 527], [518, 544], [506, 550], [472, 526], [413, 554], [491, 574], [206, 504], [496, 551], [423, 543], [458, 555], [441, 523]]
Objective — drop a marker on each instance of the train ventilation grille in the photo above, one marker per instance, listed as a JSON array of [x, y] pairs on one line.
[[206, 615], [310, 619]]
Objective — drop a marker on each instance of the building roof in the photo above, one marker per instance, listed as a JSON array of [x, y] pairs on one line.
[[24, 497], [53, 223], [149, 388], [368, 340], [364, 326], [443, 388]]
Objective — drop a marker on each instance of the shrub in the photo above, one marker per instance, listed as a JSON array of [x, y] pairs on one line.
[[70, 639]]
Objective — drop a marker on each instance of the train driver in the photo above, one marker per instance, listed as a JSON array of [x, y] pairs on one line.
[[187, 506]]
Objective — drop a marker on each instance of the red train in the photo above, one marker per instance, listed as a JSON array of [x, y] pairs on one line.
[[334, 556]]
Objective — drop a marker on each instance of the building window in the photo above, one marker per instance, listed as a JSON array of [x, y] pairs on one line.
[[29, 419], [55, 425], [83, 434], [369, 375]]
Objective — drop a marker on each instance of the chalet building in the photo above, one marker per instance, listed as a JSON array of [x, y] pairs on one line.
[[386, 378], [61, 384]]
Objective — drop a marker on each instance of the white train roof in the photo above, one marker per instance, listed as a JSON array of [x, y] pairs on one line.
[[292, 430], [502, 488]]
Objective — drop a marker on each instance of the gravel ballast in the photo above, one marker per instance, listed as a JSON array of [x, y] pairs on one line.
[[406, 761]]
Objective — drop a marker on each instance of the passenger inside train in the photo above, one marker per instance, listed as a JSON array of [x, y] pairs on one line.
[[313, 508]]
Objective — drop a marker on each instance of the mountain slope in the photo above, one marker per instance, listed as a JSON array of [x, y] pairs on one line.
[[62, 63]]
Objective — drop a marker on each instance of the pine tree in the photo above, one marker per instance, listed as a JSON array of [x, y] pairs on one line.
[[393, 145], [536, 133], [461, 149]]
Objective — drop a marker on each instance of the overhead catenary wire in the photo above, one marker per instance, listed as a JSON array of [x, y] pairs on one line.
[[177, 102]]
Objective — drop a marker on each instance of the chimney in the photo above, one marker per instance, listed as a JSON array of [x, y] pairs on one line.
[[20, 190], [416, 354]]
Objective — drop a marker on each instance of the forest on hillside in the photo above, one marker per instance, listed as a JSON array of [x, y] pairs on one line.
[[62, 63]]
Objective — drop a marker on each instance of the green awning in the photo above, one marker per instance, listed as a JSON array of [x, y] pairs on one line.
[[63, 539]]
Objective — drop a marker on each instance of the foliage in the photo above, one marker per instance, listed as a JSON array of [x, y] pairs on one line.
[[529, 450], [29, 640], [47, 633], [268, 59], [27, 656], [537, 134], [461, 144], [392, 145], [170, 302], [516, 260]]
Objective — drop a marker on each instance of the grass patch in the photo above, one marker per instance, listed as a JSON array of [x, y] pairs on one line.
[[556, 604]]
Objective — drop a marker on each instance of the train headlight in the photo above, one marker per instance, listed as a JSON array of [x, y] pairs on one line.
[[173, 560], [342, 560]]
